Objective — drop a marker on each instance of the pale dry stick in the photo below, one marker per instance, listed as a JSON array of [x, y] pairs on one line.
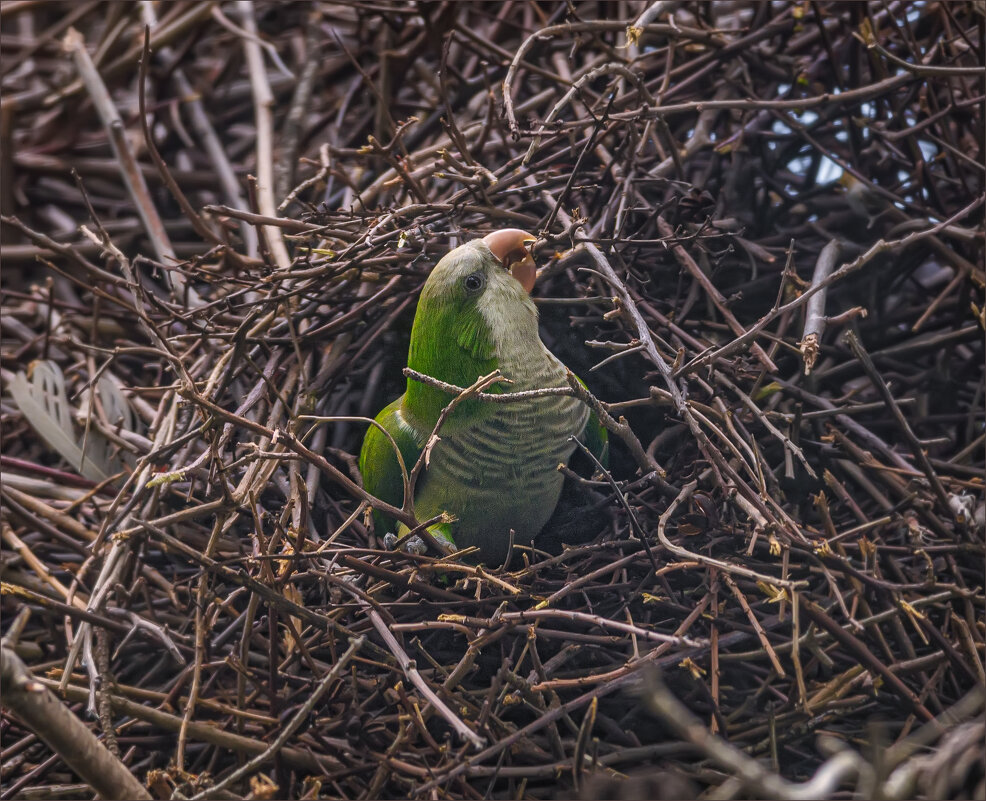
[[105, 582], [286, 223], [646, 17], [252, 36], [288, 729], [760, 523], [749, 465], [910, 780], [410, 670], [878, 247], [211, 143], [815, 310], [584, 579], [683, 553], [488, 397], [748, 772], [357, 512], [475, 571], [969, 705], [580, 759], [130, 171], [160, 35], [472, 652], [259, 473], [293, 125], [196, 221], [63, 732], [263, 101], [957, 279], [601, 622]]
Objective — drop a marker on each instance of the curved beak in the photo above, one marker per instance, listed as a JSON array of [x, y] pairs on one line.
[[511, 246]]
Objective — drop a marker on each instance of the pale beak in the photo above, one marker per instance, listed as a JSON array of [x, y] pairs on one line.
[[511, 246]]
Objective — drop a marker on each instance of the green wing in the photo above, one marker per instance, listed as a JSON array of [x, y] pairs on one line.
[[596, 439], [595, 436], [378, 462]]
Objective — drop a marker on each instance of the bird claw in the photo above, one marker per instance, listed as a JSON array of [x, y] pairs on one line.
[[414, 545]]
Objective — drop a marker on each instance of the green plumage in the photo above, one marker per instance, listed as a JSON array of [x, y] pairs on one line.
[[495, 465]]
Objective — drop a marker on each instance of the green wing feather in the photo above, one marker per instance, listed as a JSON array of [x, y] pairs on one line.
[[596, 439], [378, 462], [595, 436]]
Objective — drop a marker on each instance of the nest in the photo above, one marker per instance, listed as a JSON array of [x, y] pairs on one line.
[[760, 245]]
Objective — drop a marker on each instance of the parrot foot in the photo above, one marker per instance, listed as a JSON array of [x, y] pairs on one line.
[[414, 545]]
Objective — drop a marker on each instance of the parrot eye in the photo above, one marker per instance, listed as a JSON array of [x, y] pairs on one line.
[[474, 282]]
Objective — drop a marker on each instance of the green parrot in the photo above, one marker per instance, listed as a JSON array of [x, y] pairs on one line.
[[494, 467]]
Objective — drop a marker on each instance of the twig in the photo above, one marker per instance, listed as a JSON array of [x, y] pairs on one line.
[[129, 171], [684, 495], [288, 729], [815, 311], [749, 773], [410, 670], [207, 133], [263, 100], [64, 733], [881, 386], [685, 259]]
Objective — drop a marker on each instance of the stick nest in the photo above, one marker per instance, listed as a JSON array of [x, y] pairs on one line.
[[760, 245]]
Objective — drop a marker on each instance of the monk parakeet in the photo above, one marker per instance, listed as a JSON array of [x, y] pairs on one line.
[[494, 467]]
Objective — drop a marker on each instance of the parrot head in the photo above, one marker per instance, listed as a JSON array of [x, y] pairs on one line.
[[511, 247], [474, 306]]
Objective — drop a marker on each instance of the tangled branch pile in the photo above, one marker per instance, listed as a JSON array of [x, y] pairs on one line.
[[761, 245]]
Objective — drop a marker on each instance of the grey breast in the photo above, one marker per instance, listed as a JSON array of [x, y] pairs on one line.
[[520, 443]]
